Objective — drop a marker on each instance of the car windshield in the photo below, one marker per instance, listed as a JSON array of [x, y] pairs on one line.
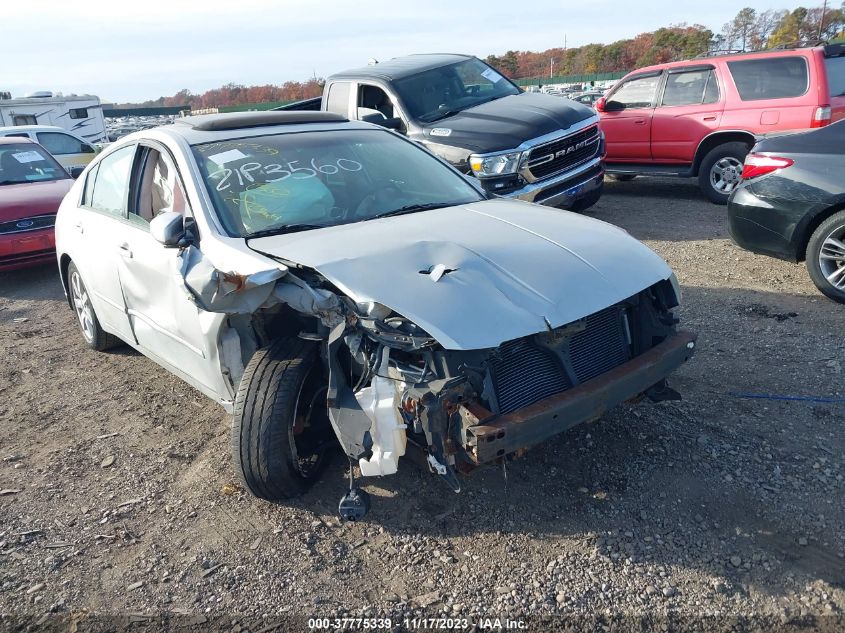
[[440, 92], [286, 182], [27, 162]]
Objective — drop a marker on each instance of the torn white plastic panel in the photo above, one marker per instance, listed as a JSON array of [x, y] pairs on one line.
[[303, 298], [388, 430], [231, 293]]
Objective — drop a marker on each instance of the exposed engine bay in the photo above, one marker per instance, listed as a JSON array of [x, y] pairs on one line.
[[392, 386]]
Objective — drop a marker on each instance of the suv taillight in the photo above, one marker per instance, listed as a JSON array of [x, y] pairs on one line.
[[760, 165], [821, 116]]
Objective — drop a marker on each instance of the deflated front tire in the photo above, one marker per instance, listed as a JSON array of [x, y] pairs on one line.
[[281, 434]]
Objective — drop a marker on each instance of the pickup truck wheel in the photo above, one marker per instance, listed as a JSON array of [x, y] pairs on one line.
[[826, 257], [721, 171], [93, 333], [281, 433], [622, 177]]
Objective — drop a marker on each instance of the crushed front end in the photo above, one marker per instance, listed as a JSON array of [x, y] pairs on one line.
[[391, 385]]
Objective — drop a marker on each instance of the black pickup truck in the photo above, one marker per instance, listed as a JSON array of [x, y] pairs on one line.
[[530, 146]]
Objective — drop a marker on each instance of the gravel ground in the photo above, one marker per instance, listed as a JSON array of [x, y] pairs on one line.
[[118, 493]]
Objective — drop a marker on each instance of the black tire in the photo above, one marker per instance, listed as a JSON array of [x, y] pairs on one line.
[[266, 445], [89, 325], [834, 226], [732, 152], [622, 177]]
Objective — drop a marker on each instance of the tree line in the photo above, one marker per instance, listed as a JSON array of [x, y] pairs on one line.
[[748, 30]]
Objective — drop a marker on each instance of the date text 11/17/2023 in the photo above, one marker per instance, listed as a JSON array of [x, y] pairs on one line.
[[421, 623]]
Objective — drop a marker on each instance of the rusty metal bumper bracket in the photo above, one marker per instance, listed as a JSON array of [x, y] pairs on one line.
[[497, 436]]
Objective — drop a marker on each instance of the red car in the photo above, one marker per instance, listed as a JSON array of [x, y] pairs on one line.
[[32, 185], [699, 118]]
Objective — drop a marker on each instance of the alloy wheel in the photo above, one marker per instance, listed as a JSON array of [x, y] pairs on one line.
[[726, 174], [82, 305], [832, 258]]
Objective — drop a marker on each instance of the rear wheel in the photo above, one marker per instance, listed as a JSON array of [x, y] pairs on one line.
[[826, 257], [281, 433], [721, 171], [93, 333]]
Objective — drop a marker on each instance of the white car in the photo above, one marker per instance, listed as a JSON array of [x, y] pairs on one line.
[[67, 148], [315, 275]]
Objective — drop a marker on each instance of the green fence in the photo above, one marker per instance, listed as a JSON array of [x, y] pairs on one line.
[[244, 107], [109, 111], [569, 79]]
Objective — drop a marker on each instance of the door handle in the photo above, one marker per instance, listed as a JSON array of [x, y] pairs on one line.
[[125, 251], [639, 121], [710, 118]]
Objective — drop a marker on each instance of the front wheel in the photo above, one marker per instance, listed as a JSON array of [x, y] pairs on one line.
[[826, 257], [721, 171], [93, 333], [281, 433]]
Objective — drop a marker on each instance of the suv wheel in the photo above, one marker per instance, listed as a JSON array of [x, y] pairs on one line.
[[281, 433], [826, 257], [721, 171], [93, 333]]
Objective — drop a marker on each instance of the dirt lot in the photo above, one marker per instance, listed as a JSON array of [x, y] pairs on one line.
[[119, 496]]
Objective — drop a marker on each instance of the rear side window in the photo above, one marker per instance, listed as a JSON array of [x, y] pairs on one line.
[[774, 78], [111, 186], [78, 113], [24, 119], [338, 99], [691, 88], [835, 75]]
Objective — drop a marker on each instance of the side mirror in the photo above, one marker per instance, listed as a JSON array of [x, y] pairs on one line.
[[76, 171], [88, 149], [601, 105], [394, 123], [168, 228]]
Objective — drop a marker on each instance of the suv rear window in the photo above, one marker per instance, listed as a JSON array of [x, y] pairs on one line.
[[835, 75], [774, 78]]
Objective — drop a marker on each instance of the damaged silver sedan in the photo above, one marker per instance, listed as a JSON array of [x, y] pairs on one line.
[[333, 283]]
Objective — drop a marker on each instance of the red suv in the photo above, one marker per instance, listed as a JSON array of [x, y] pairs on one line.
[[699, 118]]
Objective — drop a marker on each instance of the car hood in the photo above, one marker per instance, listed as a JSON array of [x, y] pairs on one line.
[[507, 122], [514, 268], [32, 198]]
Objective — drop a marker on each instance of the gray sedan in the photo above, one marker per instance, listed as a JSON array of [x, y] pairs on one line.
[[332, 283]]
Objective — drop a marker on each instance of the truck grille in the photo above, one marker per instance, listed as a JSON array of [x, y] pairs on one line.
[[565, 153], [524, 372]]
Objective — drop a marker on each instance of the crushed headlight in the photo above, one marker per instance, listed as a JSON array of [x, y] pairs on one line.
[[495, 164]]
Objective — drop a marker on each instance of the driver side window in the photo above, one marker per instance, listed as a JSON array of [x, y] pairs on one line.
[[374, 106], [158, 188], [636, 93]]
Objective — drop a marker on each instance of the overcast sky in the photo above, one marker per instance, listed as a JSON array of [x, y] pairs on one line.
[[133, 50]]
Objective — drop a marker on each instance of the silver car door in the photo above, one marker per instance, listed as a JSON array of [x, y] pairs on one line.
[[164, 320], [99, 220]]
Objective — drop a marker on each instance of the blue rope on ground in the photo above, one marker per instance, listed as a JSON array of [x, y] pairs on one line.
[[767, 396]]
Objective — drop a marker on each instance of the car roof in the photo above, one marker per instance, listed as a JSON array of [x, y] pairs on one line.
[[208, 128], [8, 140], [400, 67], [707, 60], [34, 128]]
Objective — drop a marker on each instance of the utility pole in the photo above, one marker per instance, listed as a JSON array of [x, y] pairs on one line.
[[821, 21], [551, 67]]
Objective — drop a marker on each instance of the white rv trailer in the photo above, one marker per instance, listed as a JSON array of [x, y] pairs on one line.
[[81, 115]]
